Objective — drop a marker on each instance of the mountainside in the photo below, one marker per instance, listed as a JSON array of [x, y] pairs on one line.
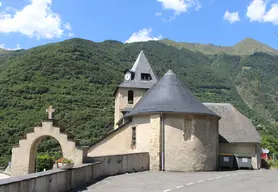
[[3, 51], [245, 47], [78, 77], [9, 52]]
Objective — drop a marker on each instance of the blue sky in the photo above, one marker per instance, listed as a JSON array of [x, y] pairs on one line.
[[29, 23]]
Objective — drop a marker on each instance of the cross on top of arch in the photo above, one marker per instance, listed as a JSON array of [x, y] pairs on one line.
[[50, 112]]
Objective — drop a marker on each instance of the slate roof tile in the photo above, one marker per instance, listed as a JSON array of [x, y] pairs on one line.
[[141, 65], [234, 127]]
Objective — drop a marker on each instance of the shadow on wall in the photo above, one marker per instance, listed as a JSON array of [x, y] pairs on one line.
[[222, 139]]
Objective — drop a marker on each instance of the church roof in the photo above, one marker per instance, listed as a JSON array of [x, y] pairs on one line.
[[169, 95], [234, 127], [140, 66]]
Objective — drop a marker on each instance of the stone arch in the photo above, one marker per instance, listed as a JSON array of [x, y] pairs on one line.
[[33, 152], [23, 155]]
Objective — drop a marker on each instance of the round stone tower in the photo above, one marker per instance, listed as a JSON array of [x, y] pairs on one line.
[[187, 132]]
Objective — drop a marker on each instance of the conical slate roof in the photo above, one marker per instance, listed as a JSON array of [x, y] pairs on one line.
[[170, 95], [140, 66]]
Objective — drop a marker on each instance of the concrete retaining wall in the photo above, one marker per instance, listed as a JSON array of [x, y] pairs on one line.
[[79, 177], [119, 164]]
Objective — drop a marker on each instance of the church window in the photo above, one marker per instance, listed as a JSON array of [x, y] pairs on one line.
[[133, 142], [146, 77], [187, 128], [130, 96]]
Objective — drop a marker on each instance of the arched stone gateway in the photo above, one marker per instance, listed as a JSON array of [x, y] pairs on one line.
[[24, 155]]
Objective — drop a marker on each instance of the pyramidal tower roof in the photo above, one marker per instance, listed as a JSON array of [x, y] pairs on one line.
[[141, 66], [141, 63], [170, 95]]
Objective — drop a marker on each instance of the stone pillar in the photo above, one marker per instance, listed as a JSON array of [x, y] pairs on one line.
[[256, 160], [20, 161], [155, 143]]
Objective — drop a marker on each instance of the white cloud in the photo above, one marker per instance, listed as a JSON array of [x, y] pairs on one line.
[[176, 5], [67, 26], [198, 6], [34, 20], [158, 14], [179, 6], [256, 11], [231, 17], [142, 35], [0, 3], [211, 2], [272, 14], [71, 34], [2, 46], [171, 18]]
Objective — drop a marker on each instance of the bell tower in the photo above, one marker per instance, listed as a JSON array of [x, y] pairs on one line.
[[137, 81]]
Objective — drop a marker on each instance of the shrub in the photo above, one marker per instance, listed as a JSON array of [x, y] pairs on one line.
[[44, 161], [272, 164], [4, 161]]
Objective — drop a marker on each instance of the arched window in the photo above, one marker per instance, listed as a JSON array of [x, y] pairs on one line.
[[130, 97]]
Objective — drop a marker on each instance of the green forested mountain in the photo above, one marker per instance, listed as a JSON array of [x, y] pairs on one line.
[[78, 77], [3, 51], [245, 47]]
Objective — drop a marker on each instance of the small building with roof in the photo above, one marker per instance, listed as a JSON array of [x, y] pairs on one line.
[[238, 137], [165, 119]]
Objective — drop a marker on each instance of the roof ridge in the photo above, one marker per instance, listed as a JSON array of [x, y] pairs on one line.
[[170, 72], [138, 59]]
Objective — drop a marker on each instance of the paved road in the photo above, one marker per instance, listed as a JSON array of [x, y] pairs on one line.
[[244, 180]]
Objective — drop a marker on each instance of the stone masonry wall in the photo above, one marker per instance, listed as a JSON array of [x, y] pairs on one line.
[[155, 143], [197, 151], [120, 141], [121, 101]]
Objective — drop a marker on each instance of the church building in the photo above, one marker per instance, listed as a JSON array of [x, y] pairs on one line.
[[165, 119], [162, 118]]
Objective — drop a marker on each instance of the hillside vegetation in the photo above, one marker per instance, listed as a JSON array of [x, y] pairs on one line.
[[3, 51], [245, 47], [78, 77]]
